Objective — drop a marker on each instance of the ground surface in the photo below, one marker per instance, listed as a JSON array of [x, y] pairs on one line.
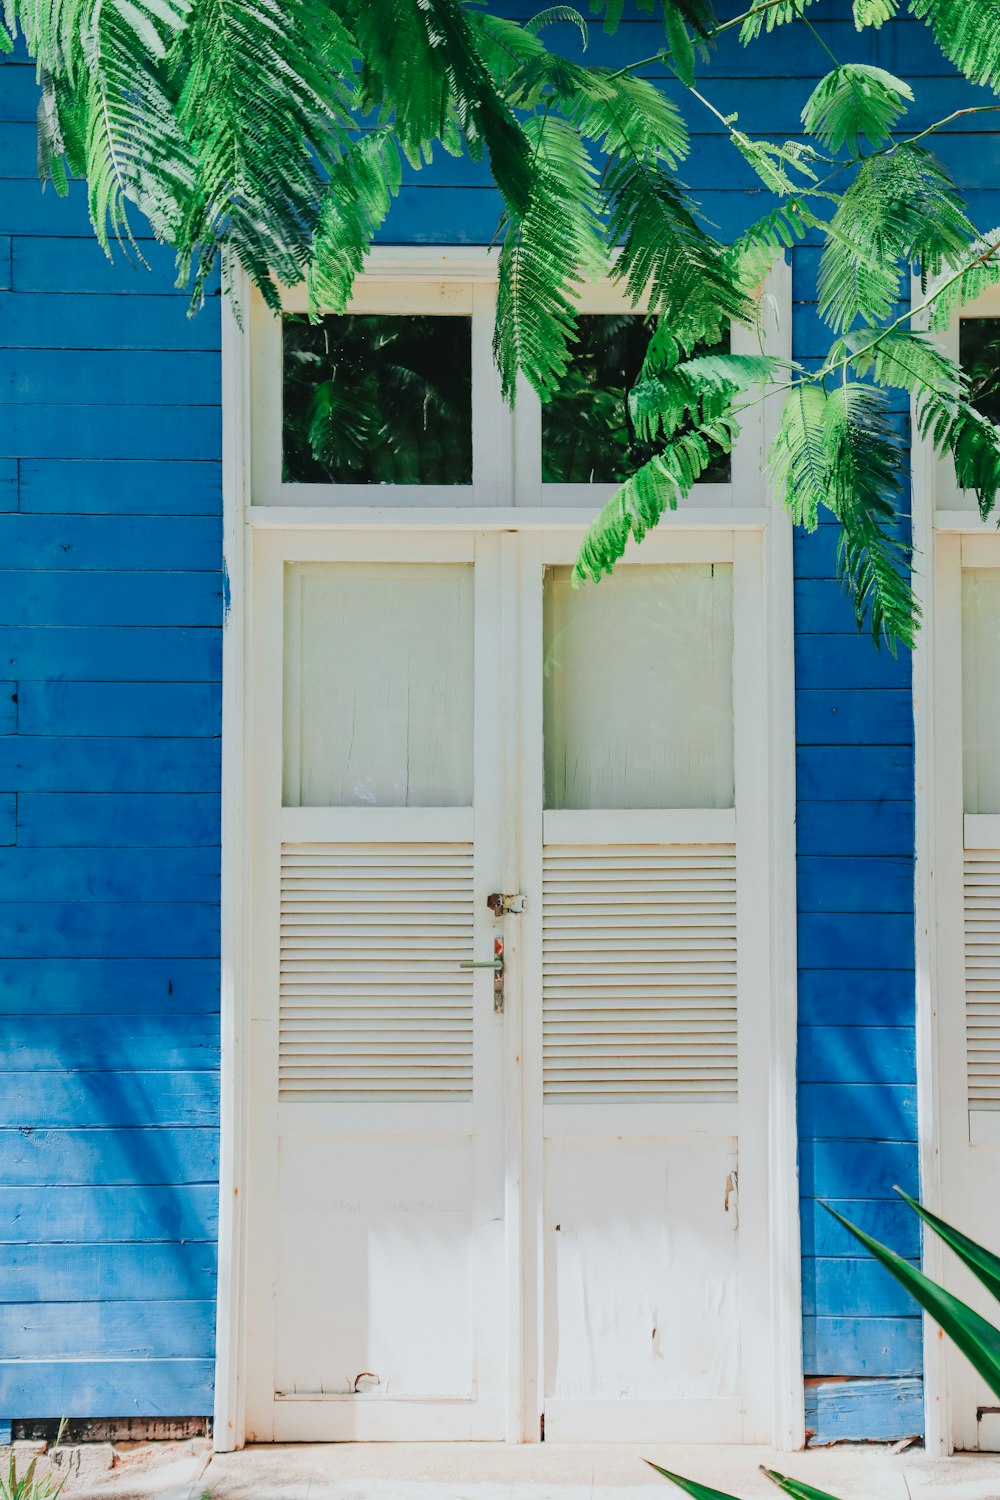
[[189, 1470]]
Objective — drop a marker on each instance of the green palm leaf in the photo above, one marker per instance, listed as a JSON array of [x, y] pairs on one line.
[[978, 1340], [981, 1262]]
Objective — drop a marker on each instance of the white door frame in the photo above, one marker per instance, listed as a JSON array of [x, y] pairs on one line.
[[753, 511], [943, 517]]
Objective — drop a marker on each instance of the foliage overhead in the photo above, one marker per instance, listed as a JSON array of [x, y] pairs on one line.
[[280, 131]]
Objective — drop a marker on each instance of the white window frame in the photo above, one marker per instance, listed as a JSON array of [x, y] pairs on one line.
[[506, 446], [948, 533], [254, 500]]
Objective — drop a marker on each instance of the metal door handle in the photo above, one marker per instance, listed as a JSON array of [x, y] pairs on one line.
[[495, 963]]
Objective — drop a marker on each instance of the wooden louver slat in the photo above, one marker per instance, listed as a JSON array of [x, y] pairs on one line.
[[374, 1006], [639, 991], [982, 977]]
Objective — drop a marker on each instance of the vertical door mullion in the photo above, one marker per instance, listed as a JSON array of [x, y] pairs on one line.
[[530, 669]]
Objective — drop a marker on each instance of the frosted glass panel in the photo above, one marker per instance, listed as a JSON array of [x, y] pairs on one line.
[[981, 688], [378, 685], [639, 688]]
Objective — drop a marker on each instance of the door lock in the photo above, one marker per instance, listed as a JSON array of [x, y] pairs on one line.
[[506, 905], [495, 963]]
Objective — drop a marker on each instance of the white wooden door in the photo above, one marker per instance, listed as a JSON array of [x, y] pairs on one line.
[[377, 1226], [639, 838], [967, 621], [550, 1218]]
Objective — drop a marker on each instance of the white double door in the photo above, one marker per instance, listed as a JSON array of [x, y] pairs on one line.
[[488, 1202]]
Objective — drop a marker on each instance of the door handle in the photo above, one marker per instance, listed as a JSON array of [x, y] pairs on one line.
[[495, 963]]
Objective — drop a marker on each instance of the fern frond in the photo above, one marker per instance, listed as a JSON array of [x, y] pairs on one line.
[[865, 470], [266, 99], [874, 13], [855, 100], [798, 460], [755, 251], [839, 451], [357, 198], [668, 257], [979, 269], [772, 162], [968, 35], [638, 504], [545, 253], [906, 360], [105, 110], [555, 14], [505, 46], [901, 208], [697, 13], [699, 389], [776, 15], [422, 62], [621, 114]]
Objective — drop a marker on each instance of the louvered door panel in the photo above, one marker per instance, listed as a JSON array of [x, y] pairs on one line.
[[374, 1002], [639, 974], [982, 977]]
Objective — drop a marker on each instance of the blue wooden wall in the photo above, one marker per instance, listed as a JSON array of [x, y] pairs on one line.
[[109, 764], [110, 615]]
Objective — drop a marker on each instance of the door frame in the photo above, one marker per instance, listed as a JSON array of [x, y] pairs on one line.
[[943, 516], [776, 948]]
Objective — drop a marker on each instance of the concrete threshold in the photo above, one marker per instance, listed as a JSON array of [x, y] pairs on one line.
[[481, 1471]]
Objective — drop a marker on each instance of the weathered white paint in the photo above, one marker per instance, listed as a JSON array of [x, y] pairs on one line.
[[382, 1233], [953, 717], [638, 688], [377, 686], [769, 1264]]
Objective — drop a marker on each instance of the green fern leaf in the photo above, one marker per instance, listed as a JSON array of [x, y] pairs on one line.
[[979, 269], [874, 12], [698, 14], [699, 389], [901, 208], [544, 255], [776, 15], [639, 503], [679, 45], [555, 14], [968, 35], [855, 100], [772, 162], [758, 247], [421, 60], [360, 190], [839, 451]]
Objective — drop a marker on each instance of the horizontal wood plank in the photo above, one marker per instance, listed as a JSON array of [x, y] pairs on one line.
[[108, 1330], [106, 1388], [108, 1273], [134, 1156], [77, 1100], [117, 986], [98, 1215]]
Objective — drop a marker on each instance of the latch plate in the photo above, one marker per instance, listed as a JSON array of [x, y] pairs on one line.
[[506, 905]]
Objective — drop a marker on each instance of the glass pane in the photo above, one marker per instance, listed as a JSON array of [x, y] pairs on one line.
[[980, 699], [587, 433], [979, 356], [378, 685], [638, 693], [377, 399]]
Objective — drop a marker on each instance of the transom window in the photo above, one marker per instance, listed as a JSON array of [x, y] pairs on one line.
[[397, 403]]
